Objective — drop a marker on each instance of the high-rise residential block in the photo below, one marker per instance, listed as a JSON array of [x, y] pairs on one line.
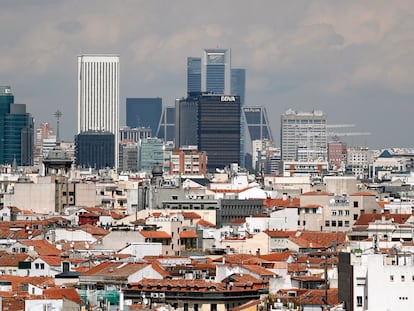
[[144, 112], [98, 95], [303, 136], [216, 71], [151, 154], [16, 130]]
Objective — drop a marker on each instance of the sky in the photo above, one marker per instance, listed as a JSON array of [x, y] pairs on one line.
[[354, 60]]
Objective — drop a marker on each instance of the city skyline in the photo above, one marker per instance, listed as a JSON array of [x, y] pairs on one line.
[[350, 60]]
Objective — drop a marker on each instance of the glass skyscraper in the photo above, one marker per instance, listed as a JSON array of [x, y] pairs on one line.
[[215, 71], [193, 75], [218, 130], [16, 130], [144, 112]]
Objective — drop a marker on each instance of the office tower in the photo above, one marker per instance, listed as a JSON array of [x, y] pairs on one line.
[[166, 127], [151, 153], [303, 136], [193, 75], [215, 71], [133, 135], [144, 112], [257, 123], [16, 130], [98, 95], [218, 130], [238, 87], [186, 122], [95, 149]]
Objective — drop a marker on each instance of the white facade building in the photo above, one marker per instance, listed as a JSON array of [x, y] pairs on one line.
[[98, 95], [216, 71], [304, 136]]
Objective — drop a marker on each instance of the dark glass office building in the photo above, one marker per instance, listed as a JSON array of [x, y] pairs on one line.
[[144, 112], [166, 127], [95, 149], [219, 129], [257, 123], [16, 130], [186, 122], [193, 75]]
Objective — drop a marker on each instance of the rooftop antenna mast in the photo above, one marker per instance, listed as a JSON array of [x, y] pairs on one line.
[[57, 115]]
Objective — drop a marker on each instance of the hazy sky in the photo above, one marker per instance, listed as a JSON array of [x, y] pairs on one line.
[[353, 60]]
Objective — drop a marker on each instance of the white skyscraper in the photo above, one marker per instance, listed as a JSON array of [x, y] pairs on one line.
[[98, 95], [303, 136], [216, 71]]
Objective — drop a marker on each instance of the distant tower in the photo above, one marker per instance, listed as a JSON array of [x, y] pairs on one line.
[[144, 112], [303, 136], [98, 95], [57, 115], [16, 130], [193, 75], [215, 71]]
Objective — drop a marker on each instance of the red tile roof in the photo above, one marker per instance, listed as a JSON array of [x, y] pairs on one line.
[[188, 235], [363, 193], [318, 193], [280, 202], [205, 223], [277, 256], [62, 293], [42, 247], [155, 234], [115, 269], [191, 215], [52, 260], [262, 272], [366, 218], [12, 260]]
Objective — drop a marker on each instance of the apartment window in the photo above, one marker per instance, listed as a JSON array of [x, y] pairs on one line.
[[355, 203], [340, 224], [355, 216], [402, 278], [333, 222], [213, 307], [333, 212], [42, 266], [36, 266], [347, 212], [340, 212], [359, 301], [327, 223], [304, 222], [346, 223], [391, 278]]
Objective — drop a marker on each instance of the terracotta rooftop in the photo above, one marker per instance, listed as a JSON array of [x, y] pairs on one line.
[[205, 223], [187, 234], [363, 193], [366, 218], [318, 193], [115, 269], [12, 260], [62, 293], [280, 202], [284, 256], [262, 272], [155, 234], [42, 247], [191, 215], [94, 230], [52, 260]]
